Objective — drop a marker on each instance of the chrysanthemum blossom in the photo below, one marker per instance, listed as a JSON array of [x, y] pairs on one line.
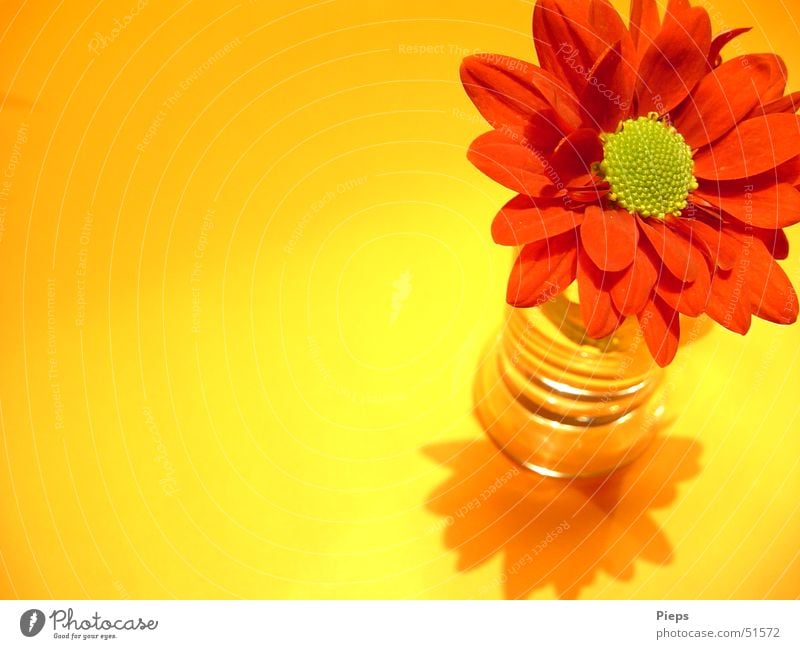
[[646, 168]]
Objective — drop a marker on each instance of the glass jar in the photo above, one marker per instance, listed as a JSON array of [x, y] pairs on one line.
[[563, 404]]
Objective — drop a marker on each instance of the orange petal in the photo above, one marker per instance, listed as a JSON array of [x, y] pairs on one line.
[[507, 91], [787, 172], [523, 220], [598, 312], [660, 326], [645, 23], [676, 60], [606, 22], [542, 270], [543, 132], [635, 285], [609, 237], [567, 44], [724, 97], [786, 104], [720, 41], [720, 246], [608, 95], [672, 249], [778, 85], [775, 242], [772, 296], [511, 164], [771, 207], [729, 304], [690, 298], [574, 155], [586, 189], [754, 146], [584, 196]]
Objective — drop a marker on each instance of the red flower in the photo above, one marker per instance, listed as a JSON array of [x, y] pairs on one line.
[[658, 176]]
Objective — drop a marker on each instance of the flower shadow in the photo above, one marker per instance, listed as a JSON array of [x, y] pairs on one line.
[[555, 532]]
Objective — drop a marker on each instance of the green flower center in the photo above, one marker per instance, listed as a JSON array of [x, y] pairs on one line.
[[648, 166]]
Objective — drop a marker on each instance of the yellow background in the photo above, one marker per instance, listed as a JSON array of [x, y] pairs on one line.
[[246, 280]]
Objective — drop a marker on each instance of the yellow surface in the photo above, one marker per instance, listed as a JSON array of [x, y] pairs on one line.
[[246, 280]]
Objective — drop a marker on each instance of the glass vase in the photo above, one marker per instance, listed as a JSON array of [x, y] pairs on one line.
[[563, 404]]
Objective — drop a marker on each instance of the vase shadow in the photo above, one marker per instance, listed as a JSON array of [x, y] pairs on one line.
[[555, 532]]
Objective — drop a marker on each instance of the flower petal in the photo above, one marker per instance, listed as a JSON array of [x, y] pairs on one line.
[[511, 164], [542, 270], [730, 303], [609, 237], [775, 242], [690, 298], [567, 44], [720, 246], [588, 195], [772, 296], [754, 146], [574, 155], [771, 207], [632, 290], [543, 132], [645, 23], [660, 327], [606, 22], [507, 91], [786, 104], [523, 220], [599, 315], [778, 85], [724, 97], [672, 249], [786, 172], [587, 189], [676, 60], [608, 94], [720, 41]]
